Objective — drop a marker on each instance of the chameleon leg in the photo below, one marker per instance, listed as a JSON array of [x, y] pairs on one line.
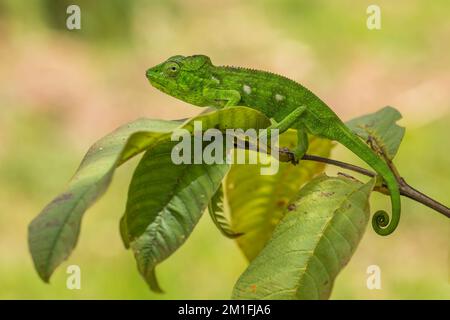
[[230, 97], [302, 144], [289, 121]]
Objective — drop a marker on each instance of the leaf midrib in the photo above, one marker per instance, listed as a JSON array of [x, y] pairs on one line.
[[326, 226]]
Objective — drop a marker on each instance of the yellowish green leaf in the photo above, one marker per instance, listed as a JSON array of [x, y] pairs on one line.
[[257, 202], [311, 244]]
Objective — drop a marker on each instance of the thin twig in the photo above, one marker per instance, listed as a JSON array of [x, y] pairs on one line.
[[410, 192], [285, 155], [339, 164], [405, 189]]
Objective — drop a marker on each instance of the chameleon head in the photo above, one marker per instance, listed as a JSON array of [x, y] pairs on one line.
[[182, 77]]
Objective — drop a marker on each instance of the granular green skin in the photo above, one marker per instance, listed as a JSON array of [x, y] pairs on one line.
[[194, 79]]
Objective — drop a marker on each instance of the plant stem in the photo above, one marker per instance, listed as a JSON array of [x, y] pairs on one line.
[[339, 164], [405, 189], [285, 155]]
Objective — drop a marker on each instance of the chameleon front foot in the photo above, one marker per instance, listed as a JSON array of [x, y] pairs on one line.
[[287, 155], [298, 155]]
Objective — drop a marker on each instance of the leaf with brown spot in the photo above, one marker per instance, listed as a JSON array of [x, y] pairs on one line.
[[307, 252], [380, 130]]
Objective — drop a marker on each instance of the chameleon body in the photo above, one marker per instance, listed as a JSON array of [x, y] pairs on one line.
[[194, 79]]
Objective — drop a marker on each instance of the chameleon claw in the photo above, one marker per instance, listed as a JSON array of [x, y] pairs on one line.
[[289, 156], [294, 160]]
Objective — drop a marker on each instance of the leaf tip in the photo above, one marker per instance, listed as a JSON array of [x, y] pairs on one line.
[[45, 278], [43, 273], [152, 281]]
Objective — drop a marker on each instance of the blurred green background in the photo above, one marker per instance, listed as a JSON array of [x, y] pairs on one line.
[[61, 90]]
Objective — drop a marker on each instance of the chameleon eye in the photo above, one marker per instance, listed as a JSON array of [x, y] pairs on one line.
[[172, 68]]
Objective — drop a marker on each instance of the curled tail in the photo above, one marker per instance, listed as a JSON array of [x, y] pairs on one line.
[[381, 222]]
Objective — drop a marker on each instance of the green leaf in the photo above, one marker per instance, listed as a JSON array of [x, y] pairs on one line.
[[217, 213], [167, 200], [53, 234], [257, 202], [311, 244], [137, 221], [380, 130]]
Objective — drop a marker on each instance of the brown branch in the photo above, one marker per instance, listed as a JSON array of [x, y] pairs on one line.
[[338, 163], [285, 155], [405, 189], [412, 193]]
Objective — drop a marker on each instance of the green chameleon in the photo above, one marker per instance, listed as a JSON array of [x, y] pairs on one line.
[[194, 79]]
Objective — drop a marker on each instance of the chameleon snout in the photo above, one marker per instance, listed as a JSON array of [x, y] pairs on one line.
[[149, 73]]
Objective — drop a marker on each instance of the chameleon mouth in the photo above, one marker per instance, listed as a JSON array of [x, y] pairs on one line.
[[157, 81], [153, 78], [150, 74]]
